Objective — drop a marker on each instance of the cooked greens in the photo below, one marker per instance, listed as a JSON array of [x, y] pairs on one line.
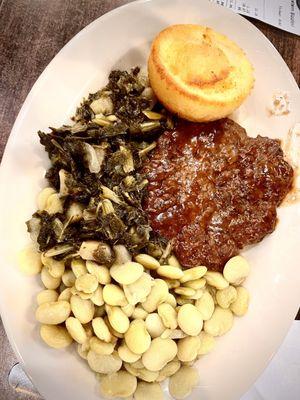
[[96, 169]]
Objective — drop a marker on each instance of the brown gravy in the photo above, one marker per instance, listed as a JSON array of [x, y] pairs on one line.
[[213, 190]]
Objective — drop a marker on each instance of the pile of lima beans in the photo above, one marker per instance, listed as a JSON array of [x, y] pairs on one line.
[[136, 322]]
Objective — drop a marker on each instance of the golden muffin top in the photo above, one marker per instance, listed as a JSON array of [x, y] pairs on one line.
[[202, 65]]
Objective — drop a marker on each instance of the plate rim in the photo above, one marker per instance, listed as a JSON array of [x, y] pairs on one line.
[[33, 92]]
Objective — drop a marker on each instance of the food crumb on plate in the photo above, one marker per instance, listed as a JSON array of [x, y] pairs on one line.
[[280, 103]]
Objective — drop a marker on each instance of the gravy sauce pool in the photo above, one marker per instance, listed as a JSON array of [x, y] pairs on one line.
[[213, 190]]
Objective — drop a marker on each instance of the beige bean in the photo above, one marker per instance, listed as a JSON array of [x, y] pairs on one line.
[[76, 330], [113, 295], [190, 319], [102, 105], [43, 197], [143, 373], [236, 270], [104, 363], [119, 384], [148, 391], [55, 336], [128, 309], [46, 296], [188, 348], [82, 351], [172, 260], [75, 211], [146, 375], [147, 261], [170, 368], [185, 291], [182, 382], [86, 283], [126, 354], [138, 364], [69, 278], [220, 322], [154, 325], [199, 293], [166, 334], [240, 306], [82, 295], [100, 271], [122, 254], [139, 290], [157, 295], [216, 279], [101, 347], [160, 378], [170, 272], [82, 309], [88, 250], [137, 338], [192, 274], [56, 268], [205, 305], [66, 295], [170, 299], [54, 204], [172, 283], [53, 313], [127, 273], [196, 284], [112, 330], [101, 329], [130, 369], [139, 313], [29, 260], [78, 267], [226, 296], [168, 315], [177, 334], [117, 319], [48, 280], [160, 352], [97, 296], [207, 343]]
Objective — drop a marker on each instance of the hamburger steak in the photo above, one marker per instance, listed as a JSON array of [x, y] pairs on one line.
[[213, 190]]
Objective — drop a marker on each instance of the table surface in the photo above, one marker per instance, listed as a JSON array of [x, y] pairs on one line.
[[31, 33]]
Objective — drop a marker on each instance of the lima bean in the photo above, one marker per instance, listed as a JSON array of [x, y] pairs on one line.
[[82, 309], [160, 352], [137, 338], [190, 319], [53, 313], [104, 363], [148, 391], [119, 384], [182, 382], [55, 336], [76, 330]]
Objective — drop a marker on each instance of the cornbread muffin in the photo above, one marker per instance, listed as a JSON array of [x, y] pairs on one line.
[[198, 73]]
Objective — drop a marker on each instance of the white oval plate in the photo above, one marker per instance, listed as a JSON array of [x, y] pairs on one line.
[[121, 39]]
